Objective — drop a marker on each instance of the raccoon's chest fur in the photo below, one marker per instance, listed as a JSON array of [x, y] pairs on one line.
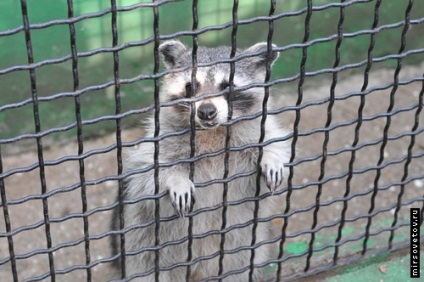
[[209, 141], [211, 147], [211, 169]]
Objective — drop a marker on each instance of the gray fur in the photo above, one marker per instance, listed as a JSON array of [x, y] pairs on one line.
[[181, 191]]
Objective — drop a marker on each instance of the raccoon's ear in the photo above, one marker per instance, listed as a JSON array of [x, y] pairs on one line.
[[171, 50], [264, 58]]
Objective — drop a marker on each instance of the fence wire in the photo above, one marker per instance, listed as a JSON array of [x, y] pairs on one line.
[[357, 151]]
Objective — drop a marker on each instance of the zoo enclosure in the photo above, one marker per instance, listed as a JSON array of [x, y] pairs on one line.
[[93, 68]]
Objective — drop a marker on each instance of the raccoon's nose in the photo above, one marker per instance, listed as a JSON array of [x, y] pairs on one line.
[[207, 112]]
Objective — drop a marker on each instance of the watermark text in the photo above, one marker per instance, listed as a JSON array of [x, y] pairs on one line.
[[415, 243]]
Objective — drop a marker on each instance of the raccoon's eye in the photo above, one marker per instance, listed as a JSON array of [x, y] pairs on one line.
[[224, 85], [189, 87]]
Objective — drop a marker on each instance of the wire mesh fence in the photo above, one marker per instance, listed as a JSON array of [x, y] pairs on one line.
[[76, 76]]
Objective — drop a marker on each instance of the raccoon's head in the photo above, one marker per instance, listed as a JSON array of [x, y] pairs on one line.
[[211, 112]]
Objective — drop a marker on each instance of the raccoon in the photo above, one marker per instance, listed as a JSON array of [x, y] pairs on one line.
[[202, 197]]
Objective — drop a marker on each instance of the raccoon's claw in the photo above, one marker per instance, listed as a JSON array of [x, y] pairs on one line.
[[273, 172], [182, 197]]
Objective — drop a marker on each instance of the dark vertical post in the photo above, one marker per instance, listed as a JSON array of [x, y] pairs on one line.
[[34, 96], [156, 134], [7, 224], [228, 136], [79, 136], [191, 94], [273, 5], [295, 132], [326, 135], [117, 85]]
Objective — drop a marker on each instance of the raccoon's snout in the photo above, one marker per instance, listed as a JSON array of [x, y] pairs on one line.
[[207, 112], [207, 115]]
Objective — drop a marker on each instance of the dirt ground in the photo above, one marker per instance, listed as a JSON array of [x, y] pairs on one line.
[[26, 215]]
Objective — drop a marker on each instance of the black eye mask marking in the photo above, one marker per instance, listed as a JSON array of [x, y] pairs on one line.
[[189, 88], [242, 101], [224, 85], [181, 106]]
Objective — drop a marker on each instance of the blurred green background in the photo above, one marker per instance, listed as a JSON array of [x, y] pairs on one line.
[[136, 25]]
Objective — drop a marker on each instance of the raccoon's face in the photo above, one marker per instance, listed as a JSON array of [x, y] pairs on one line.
[[215, 102]]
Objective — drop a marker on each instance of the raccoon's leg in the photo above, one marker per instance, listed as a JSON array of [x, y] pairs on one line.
[[143, 212], [274, 155], [141, 258], [262, 252]]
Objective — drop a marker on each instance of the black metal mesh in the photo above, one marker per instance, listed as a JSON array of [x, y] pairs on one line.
[[357, 160]]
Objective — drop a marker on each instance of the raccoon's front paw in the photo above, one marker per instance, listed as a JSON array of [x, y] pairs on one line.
[[182, 196], [273, 171]]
